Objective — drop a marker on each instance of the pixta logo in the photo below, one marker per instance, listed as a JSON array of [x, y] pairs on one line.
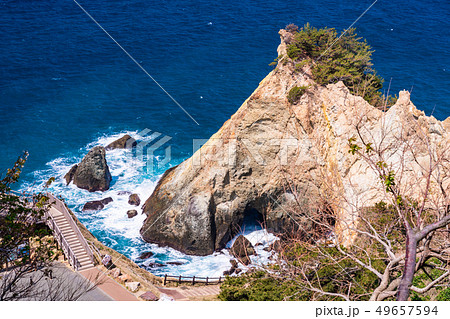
[[149, 144]]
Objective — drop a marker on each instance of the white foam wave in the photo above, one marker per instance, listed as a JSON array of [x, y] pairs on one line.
[[112, 226]]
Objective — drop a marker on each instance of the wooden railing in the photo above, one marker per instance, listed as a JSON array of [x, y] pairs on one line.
[[193, 280]]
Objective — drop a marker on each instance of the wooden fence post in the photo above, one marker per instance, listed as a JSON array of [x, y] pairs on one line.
[[165, 279], [220, 278], [206, 280], [179, 280], [193, 280]]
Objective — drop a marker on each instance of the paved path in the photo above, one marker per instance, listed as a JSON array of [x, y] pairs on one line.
[[59, 283], [191, 293], [107, 285]]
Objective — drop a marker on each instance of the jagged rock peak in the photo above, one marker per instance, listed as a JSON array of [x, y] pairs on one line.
[[267, 148], [92, 173]]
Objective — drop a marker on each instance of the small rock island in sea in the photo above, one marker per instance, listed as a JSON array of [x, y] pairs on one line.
[[92, 173]]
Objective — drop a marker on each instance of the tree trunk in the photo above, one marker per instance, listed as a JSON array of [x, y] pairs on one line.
[[410, 266]]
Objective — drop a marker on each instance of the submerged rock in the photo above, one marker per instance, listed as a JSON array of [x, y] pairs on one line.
[[96, 204], [92, 173], [242, 249], [145, 255], [245, 260], [199, 205], [155, 265], [132, 213], [125, 141], [107, 200], [93, 205], [134, 200], [233, 268], [229, 272], [176, 263]]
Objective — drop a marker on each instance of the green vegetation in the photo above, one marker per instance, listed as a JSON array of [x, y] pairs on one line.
[[25, 243], [296, 93], [333, 269], [329, 271], [334, 58], [18, 221], [444, 295], [259, 286]]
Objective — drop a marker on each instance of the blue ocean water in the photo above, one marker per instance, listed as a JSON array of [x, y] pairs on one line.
[[66, 86]]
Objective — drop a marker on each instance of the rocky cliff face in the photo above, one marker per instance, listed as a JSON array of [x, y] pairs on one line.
[[270, 150], [92, 173]]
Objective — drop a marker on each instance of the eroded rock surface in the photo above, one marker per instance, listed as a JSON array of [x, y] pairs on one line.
[[132, 213], [125, 141], [242, 249], [134, 200], [270, 150], [69, 176], [96, 204], [92, 173]]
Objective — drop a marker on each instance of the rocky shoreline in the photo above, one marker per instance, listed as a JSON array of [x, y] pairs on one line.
[[270, 144], [242, 169]]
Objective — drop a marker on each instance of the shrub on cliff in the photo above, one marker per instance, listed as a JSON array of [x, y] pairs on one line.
[[296, 93], [285, 283], [259, 286], [444, 295], [336, 58]]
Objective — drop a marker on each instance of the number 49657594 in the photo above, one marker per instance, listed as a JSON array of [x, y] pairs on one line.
[[406, 310]]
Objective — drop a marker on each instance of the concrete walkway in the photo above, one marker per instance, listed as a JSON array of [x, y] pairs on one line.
[[58, 283], [107, 285], [191, 293]]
